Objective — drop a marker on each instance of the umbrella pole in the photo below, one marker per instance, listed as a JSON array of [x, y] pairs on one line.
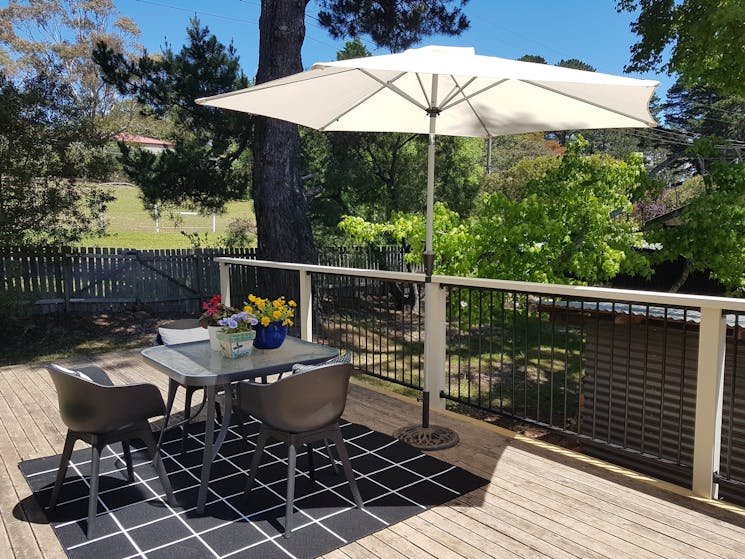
[[426, 436]]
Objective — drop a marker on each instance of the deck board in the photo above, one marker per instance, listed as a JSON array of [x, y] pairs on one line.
[[542, 501]]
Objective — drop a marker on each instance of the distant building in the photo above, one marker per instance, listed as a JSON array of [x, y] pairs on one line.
[[143, 142]]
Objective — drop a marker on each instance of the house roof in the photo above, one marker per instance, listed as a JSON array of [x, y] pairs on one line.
[[143, 140]]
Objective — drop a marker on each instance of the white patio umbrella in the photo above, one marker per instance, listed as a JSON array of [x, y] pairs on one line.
[[445, 90]]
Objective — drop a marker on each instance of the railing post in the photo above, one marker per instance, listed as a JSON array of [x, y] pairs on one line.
[[306, 306], [225, 283], [709, 392], [435, 343]]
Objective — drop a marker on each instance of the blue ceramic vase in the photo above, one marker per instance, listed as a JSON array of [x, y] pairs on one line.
[[271, 336]]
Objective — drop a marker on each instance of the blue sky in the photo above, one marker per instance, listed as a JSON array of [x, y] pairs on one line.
[[589, 30]]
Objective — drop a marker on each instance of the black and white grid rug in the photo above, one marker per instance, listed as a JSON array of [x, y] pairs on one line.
[[396, 481]]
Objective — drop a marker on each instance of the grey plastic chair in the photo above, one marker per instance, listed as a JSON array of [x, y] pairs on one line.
[[299, 410], [99, 413]]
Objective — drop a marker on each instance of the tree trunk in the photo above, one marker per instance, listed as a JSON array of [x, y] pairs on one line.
[[684, 273], [282, 220]]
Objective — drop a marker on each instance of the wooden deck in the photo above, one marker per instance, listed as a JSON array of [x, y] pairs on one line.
[[543, 501]]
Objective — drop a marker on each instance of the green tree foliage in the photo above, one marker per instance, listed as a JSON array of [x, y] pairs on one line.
[[393, 24], [209, 164], [506, 151], [706, 40], [574, 225], [352, 49], [513, 183], [576, 64], [699, 111], [37, 35], [711, 231], [536, 59], [46, 143]]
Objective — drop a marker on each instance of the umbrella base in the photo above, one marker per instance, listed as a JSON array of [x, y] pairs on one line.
[[433, 437]]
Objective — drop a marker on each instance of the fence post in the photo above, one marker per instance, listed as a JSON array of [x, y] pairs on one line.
[[306, 305], [435, 296], [225, 283], [67, 279], [197, 255], [709, 394]]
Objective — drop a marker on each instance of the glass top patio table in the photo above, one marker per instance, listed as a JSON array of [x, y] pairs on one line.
[[195, 365]]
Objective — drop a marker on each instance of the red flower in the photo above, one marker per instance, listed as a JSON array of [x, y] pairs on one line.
[[210, 307]]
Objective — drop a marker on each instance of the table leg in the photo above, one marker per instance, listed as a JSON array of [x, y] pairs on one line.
[[172, 387], [225, 425], [209, 433], [212, 445]]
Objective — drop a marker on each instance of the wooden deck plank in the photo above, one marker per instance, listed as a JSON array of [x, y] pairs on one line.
[[638, 528], [646, 508], [464, 542], [490, 538], [580, 524], [370, 547], [541, 501]]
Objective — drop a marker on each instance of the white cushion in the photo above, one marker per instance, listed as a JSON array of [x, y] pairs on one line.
[[338, 360], [173, 336], [73, 373]]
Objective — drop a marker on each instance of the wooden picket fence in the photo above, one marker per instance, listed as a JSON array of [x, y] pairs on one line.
[[91, 280]]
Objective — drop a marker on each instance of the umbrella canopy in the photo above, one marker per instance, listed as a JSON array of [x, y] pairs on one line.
[[451, 91], [474, 96]]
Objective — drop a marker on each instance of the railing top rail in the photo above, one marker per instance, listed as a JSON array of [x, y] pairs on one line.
[[581, 292], [318, 269], [575, 291]]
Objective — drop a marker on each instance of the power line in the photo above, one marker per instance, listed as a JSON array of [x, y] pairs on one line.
[[196, 12]]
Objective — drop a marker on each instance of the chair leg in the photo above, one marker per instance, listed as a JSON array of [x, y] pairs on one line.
[[256, 459], [93, 494], [331, 457], [341, 450], [128, 460], [218, 411], [238, 412], [147, 437], [311, 469], [62, 470], [291, 461]]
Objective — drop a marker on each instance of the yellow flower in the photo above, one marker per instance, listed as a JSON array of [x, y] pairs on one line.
[[276, 303], [252, 298], [248, 309], [277, 315], [292, 303], [260, 304], [287, 322], [265, 321]]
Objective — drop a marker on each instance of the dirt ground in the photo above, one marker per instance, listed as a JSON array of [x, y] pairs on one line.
[[54, 336]]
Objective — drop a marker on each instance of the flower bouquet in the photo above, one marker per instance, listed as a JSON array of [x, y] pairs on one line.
[[273, 317], [237, 335]]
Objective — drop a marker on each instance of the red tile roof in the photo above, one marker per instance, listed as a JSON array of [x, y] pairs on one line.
[[136, 139]]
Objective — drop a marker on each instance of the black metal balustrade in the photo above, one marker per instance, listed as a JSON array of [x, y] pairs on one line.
[[616, 377]]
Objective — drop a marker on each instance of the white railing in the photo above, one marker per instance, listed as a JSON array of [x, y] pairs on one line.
[[711, 350]]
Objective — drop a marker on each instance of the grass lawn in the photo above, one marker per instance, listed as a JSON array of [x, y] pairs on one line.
[[130, 225]]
